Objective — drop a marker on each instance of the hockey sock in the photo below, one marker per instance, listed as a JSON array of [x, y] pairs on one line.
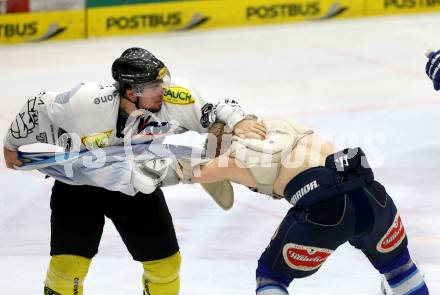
[[66, 275], [269, 282], [403, 276], [267, 286], [161, 277]]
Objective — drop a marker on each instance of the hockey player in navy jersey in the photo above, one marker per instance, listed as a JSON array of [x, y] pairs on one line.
[[91, 116], [334, 196]]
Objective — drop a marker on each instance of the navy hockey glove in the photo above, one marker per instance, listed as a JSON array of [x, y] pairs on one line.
[[433, 68]]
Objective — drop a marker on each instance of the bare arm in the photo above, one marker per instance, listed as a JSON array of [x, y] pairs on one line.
[[223, 168], [250, 128], [11, 158], [311, 151]]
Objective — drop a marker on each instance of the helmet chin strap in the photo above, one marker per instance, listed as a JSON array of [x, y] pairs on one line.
[[137, 102], [137, 92]]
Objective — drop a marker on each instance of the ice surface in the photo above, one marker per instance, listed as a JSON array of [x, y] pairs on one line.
[[357, 82]]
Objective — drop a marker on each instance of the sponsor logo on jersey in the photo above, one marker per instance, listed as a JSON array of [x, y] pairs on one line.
[[303, 191], [305, 258], [402, 4], [96, 140], [104, 99], [178, 95], [206, 112], [393, 237]]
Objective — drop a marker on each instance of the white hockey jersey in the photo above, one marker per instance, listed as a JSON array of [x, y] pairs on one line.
[[86, 117], [89, 113]]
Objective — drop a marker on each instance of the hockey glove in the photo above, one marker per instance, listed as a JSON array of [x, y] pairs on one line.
[[433, 68]]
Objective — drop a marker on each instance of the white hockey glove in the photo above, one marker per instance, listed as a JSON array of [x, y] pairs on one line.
[[150, 174]]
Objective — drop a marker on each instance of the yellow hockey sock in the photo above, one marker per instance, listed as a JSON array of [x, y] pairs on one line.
[[161, 277], [66, 275]]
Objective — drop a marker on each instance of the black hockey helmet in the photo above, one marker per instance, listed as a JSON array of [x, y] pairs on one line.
[[137, 67]]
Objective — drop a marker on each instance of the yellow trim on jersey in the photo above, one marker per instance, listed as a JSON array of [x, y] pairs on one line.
[[178, 95]]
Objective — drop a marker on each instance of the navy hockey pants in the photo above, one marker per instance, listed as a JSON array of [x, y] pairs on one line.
[[344, 204]]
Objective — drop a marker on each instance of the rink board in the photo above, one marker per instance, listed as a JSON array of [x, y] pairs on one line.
[[162, 17], [42, 26]]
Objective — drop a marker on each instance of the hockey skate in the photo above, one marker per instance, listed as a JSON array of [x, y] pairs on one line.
[[385, 288]]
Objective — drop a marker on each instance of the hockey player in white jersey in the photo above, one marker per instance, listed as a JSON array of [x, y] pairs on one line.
[[92, 116]]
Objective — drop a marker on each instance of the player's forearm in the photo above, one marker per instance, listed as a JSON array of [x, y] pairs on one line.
[[11, 158], [223, 168], [215, 170]]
